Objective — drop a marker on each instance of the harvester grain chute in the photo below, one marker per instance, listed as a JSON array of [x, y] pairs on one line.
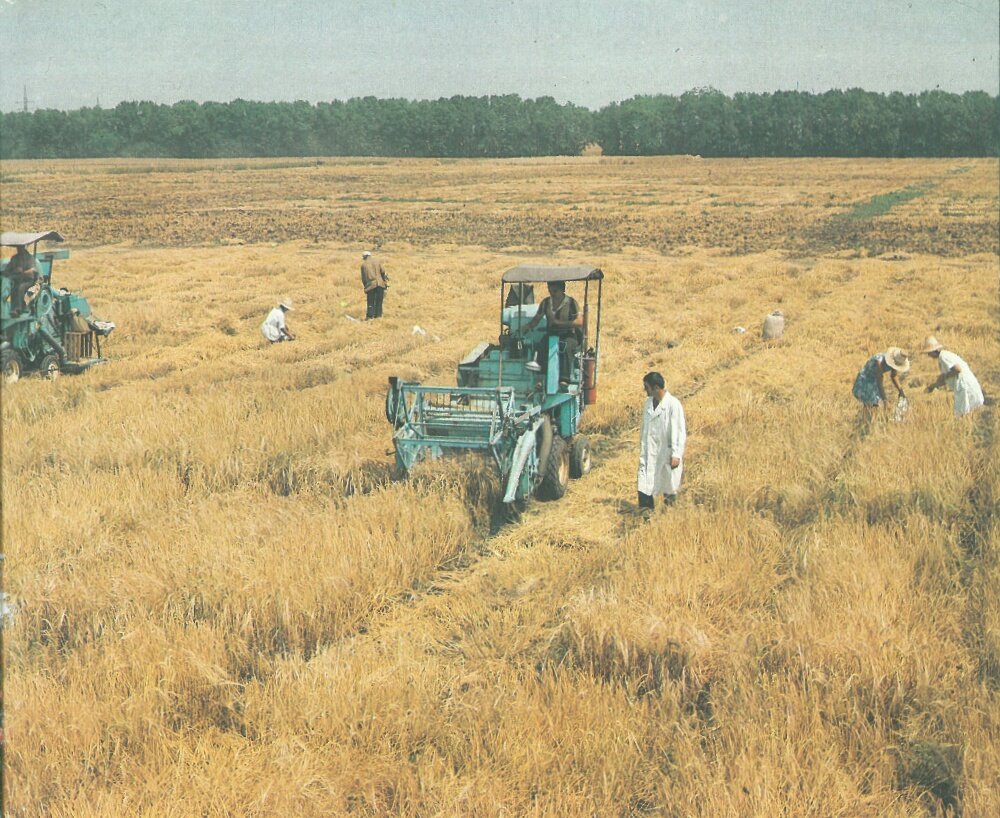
[[43, 329], [519, 400]]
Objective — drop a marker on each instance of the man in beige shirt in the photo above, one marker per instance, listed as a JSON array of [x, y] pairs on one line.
[[375, 282]]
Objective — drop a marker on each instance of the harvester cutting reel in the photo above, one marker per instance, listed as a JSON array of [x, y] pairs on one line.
[[432, 421]]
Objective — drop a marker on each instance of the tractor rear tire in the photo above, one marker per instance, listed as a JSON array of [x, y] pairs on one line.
[[10, 366], [555, 478], [50, 367], [579, 457]]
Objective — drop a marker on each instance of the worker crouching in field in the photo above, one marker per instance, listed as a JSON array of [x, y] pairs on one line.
[[661, 443], [274, 327], [956, 375], [868, 387]]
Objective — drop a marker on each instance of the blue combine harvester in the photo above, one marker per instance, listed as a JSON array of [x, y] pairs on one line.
[[43, 329], [520, 399]]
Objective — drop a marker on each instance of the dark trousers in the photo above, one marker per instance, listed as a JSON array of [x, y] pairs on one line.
[[567, 357], [568, 346], [375, 297], [646, 500]]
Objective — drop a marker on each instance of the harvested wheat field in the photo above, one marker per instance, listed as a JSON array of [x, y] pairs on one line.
[[228, 603]]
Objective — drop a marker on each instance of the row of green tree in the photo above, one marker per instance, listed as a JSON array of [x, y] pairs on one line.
[[703, 121]]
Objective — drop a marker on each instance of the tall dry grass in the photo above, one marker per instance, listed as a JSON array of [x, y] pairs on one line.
[[228, 604]]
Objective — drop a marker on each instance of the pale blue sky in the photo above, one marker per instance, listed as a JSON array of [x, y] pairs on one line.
[[72, 53]]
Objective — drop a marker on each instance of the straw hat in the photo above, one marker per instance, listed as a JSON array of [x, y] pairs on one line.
[[287, 304], [897, 359], [931, 345]]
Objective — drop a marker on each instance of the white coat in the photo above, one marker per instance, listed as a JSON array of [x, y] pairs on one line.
[[968, 392], [662, 438], [274, 325]]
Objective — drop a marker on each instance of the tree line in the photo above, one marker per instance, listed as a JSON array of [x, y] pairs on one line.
[[851, 123]]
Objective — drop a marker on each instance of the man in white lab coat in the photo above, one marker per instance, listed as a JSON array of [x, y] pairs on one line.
[[661, 444]]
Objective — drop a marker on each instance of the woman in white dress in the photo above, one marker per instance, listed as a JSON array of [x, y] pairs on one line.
[[956, 375]]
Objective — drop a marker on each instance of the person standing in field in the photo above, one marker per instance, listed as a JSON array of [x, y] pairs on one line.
[[274, 327], [868, 386], [661, 443], [956, 375], [375, 282]]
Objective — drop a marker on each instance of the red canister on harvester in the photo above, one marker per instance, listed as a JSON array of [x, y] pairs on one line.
[[589, 379]]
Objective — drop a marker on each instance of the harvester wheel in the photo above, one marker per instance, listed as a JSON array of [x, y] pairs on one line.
[[544, 437], [10, 366], [555, 478], [50, 367], [579, 456], [392, 406]]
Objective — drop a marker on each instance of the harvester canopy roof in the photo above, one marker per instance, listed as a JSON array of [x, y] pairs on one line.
[[24, 239], [541, 273]]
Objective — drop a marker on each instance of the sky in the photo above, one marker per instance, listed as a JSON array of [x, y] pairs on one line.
[[68, 54]]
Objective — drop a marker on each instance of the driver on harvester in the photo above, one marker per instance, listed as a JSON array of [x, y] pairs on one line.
[[564, 319], [24, 280]]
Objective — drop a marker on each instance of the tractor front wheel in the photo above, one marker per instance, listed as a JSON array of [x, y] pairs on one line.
[[50, 367], [392, 398], [544, 436], [579, 456], [10, 366], [555, 478]]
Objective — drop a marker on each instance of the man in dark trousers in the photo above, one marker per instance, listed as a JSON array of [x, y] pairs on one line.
[[375, 282], [661, 443]]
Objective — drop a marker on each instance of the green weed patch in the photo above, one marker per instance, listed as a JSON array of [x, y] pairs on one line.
[[880, 205]]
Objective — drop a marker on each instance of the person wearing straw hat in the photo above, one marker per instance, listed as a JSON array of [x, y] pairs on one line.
[[274, 327], [868, 386], [956, 375]]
